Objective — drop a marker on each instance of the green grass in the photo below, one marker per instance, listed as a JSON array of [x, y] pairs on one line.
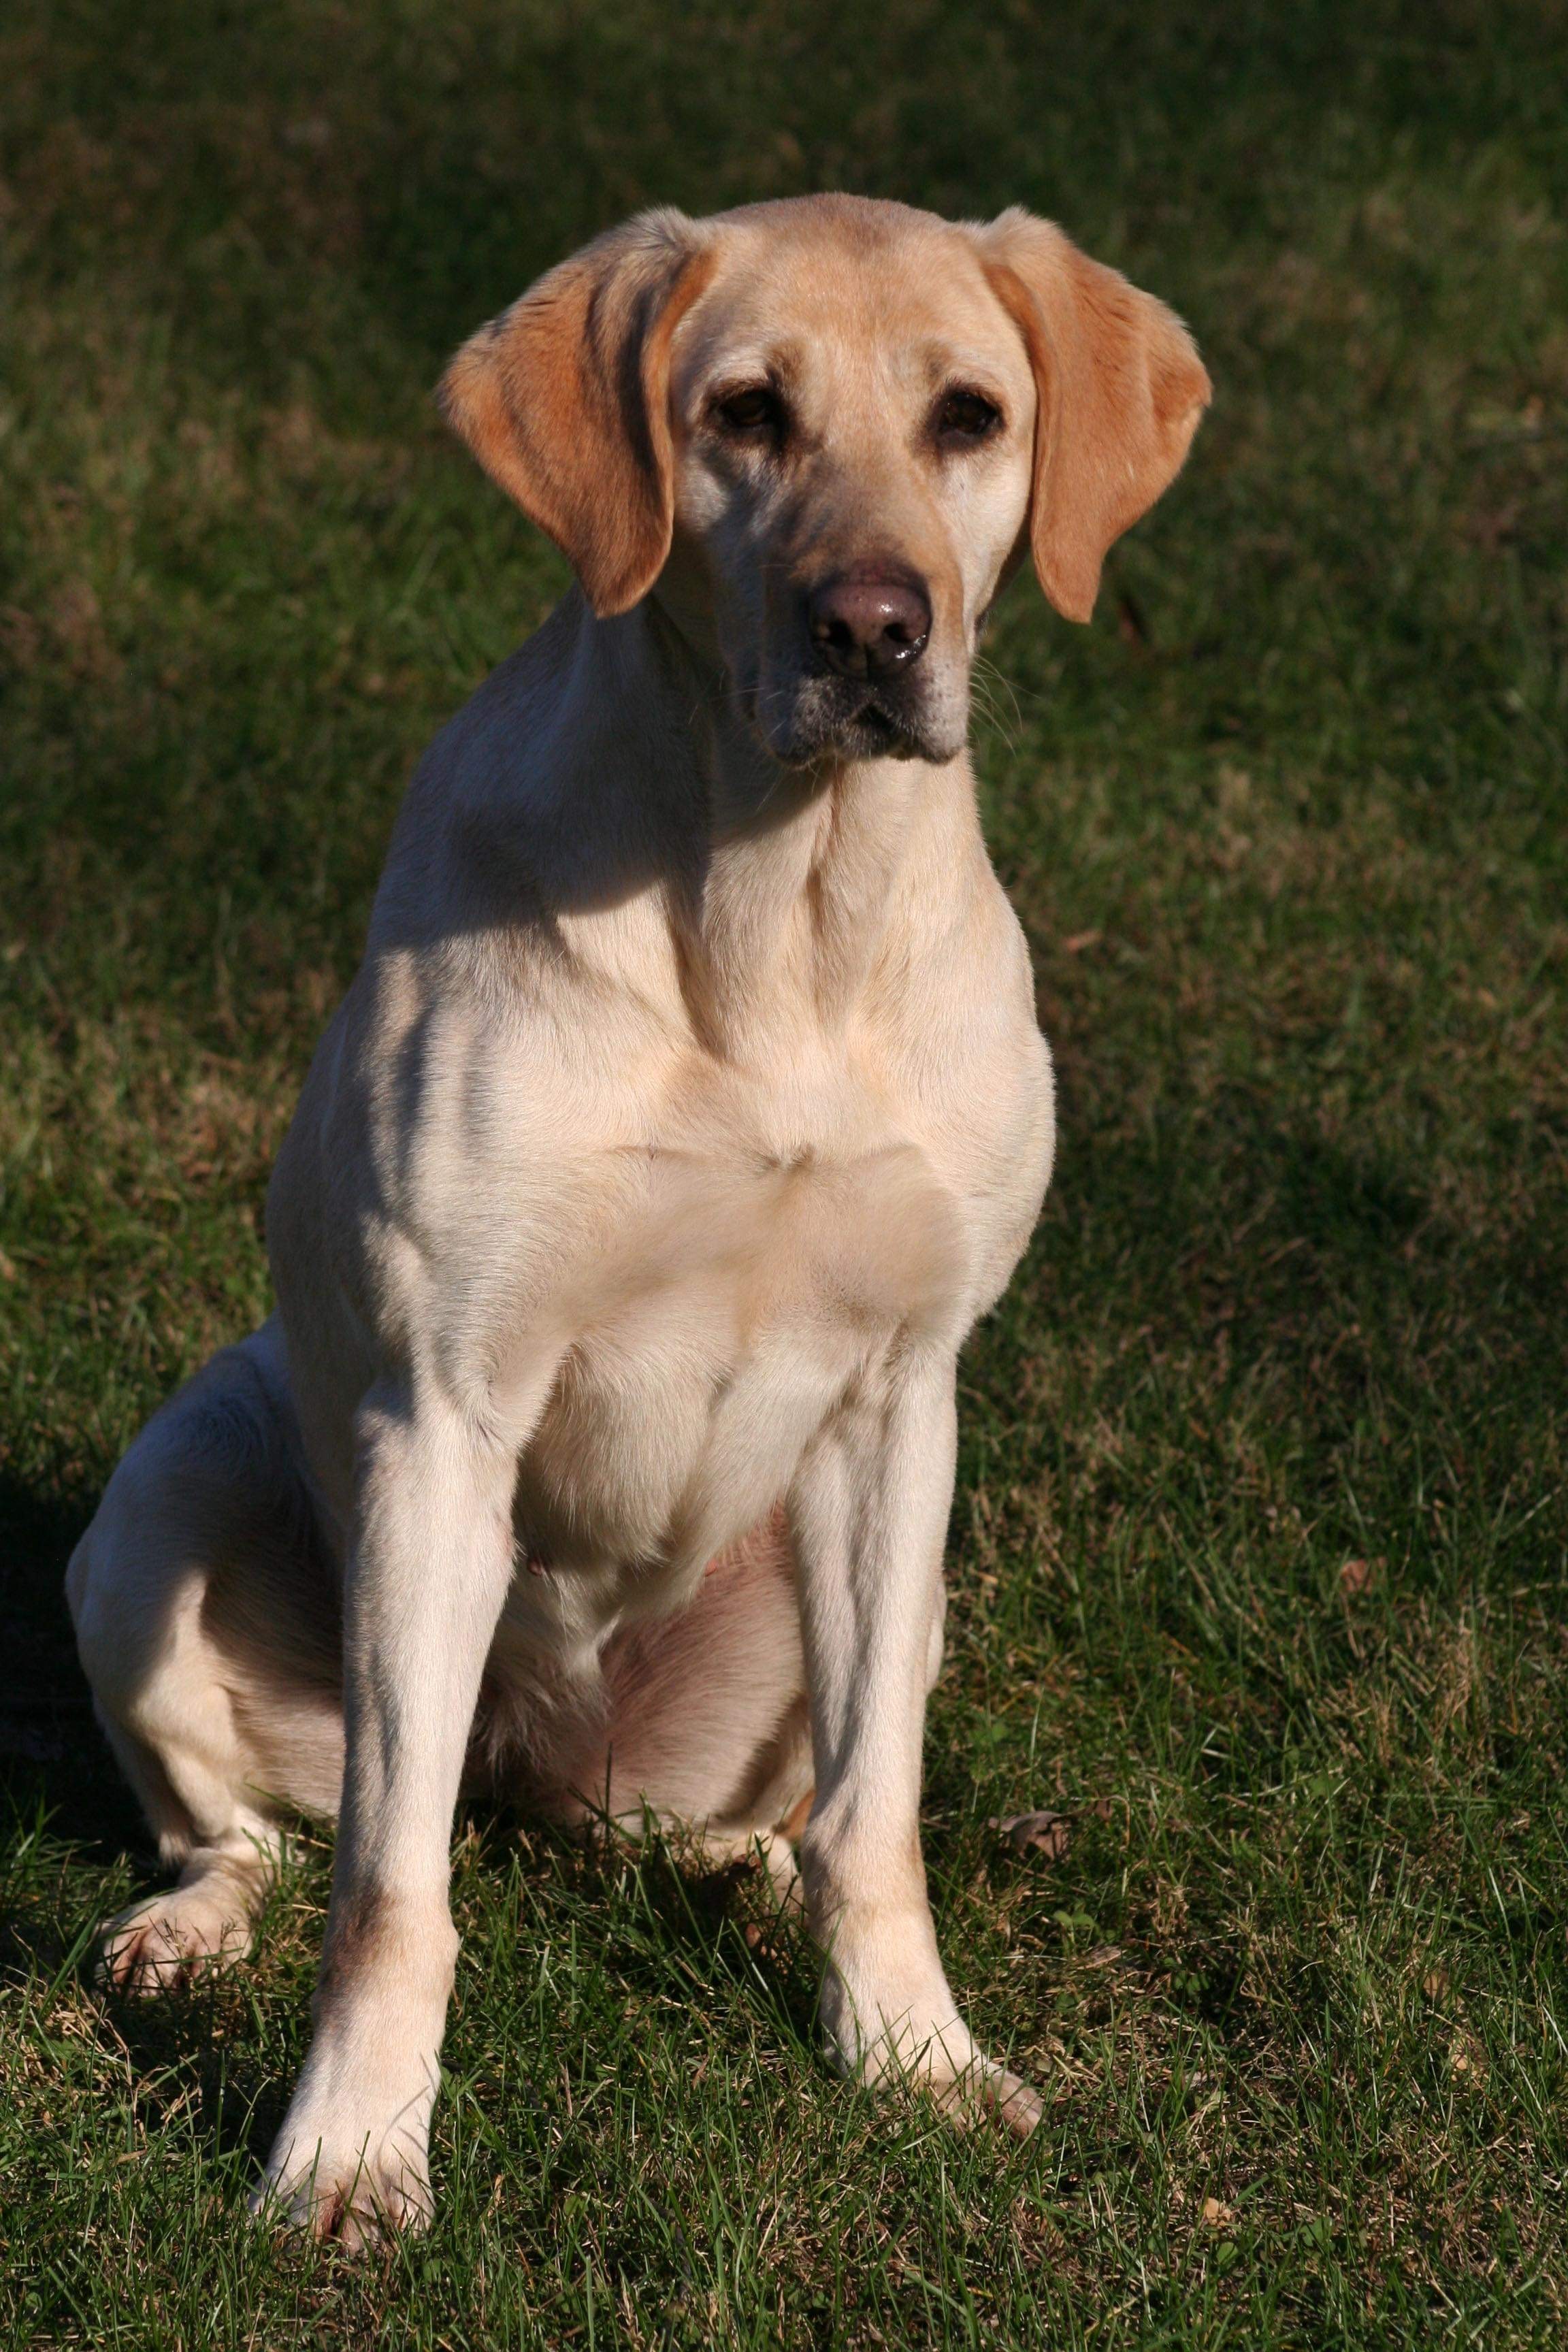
[[1259, 1549]]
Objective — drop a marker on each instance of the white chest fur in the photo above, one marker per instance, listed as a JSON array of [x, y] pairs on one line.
[[734, 1306]]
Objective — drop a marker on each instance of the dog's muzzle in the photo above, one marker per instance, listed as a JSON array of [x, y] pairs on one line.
[[861, 691]]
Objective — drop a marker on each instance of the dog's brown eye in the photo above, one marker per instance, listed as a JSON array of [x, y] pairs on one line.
[[963, 416], [757, 409]]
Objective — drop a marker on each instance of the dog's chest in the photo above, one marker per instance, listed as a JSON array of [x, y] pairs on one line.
[[727, 1312]]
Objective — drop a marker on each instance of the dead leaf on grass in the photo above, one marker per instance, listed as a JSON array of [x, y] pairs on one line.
[[1047, 1833]]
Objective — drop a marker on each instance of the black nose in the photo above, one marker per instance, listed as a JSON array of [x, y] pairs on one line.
[[864, 627]]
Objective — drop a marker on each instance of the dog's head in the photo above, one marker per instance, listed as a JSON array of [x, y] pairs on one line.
[[822, 431]]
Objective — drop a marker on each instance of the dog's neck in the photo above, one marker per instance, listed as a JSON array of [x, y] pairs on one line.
[[603, 791], [794, 893]]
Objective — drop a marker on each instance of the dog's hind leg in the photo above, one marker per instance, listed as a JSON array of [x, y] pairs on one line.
[[206, 1616]]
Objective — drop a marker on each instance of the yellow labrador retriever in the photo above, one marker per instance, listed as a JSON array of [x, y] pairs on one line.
[[688, 1108]]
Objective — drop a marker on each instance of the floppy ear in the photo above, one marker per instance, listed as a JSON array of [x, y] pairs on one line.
[[565, 401], [1120, 389]]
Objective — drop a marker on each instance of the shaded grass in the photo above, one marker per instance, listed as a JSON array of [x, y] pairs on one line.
[[1259, 1547]]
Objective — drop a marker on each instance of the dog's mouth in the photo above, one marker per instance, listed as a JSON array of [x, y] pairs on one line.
[[874, 733], [825, 720]]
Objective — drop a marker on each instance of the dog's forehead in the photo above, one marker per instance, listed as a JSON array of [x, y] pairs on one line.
[[845, 284]]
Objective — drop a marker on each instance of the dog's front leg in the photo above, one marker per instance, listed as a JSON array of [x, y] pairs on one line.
[[869, 1512], [429, 1569]]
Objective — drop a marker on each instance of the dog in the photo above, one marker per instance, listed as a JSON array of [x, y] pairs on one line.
[[687, 1111]]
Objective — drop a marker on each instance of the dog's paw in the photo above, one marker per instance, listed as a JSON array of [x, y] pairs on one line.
[[336, 2173], [166, 1942], [986, 2093], [357, 2195], [901, 2025]]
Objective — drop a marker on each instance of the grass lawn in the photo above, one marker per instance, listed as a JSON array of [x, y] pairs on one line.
[[1257, 1559]]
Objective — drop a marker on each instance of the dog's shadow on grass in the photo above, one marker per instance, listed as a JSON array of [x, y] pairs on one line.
[[54, 1760]]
